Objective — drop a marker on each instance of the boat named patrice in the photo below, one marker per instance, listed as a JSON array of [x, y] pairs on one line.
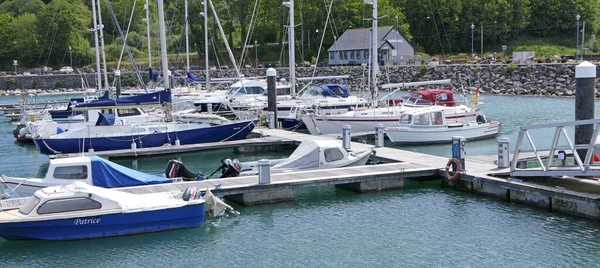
[[81, 211]]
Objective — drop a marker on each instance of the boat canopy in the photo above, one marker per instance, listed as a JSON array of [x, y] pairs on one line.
[[307, 155], [105, 119], [327, 90], [109, 175], [443, 97]]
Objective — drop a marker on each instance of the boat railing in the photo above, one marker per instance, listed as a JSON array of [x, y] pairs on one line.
[[560, 146]]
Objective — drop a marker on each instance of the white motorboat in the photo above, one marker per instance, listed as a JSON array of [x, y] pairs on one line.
[[429, 125], [364, 120], [92, 170], [310, 154]]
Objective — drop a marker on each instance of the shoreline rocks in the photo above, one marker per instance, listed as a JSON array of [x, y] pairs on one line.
[[534, 79]]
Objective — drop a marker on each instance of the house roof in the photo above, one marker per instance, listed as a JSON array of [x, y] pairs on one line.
[[357, 39]]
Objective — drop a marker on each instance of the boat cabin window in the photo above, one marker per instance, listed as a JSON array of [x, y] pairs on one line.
[[71, 172], [246, 90], [68, 205], [436, 118], [405, 119], [333, 154], [31, 202], [337, 91], [128, 112], [422, 120]]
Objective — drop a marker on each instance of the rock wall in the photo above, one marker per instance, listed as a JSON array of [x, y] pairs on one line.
[[535, 79]]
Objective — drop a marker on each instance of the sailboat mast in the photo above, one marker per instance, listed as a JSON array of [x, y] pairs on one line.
[[187, 39], [147, 7], [163, 43], [292, 51], [207, 79], [374, 55], [231, 57], [101, 30], [98, 73]]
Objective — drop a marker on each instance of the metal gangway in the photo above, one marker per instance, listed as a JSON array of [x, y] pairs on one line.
[[557, 151]]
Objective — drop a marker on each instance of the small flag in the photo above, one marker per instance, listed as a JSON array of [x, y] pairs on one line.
[[596, 159]]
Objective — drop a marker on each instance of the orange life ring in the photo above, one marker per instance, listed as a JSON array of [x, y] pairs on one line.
[[458, 169]]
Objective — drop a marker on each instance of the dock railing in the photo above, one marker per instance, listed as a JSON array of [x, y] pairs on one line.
[[546, 167]]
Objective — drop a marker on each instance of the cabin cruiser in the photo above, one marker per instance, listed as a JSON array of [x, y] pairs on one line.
[[429, 125]]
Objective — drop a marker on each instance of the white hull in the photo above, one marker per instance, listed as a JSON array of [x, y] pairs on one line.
[[319, 124], [440, 134]]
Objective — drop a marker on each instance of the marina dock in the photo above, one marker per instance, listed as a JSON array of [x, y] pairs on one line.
[[481, 176]]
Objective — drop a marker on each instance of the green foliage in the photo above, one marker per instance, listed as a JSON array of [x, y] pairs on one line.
[[511, 67], [424, 69], [345, 69], [477, 70], [11, 83], [129, 80]]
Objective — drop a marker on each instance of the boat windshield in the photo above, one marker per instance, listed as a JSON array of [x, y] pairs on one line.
[[414, 98], [246, 90], [405, 119], [312, 91], [30, 204]]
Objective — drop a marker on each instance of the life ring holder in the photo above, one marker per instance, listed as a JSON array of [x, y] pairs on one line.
[[458, 169]]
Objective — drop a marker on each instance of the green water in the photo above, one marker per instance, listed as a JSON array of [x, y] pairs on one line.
[[422, 225]]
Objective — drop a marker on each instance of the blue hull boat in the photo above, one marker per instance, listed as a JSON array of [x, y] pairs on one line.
[[103, 138], [81, 211], [106, 225]]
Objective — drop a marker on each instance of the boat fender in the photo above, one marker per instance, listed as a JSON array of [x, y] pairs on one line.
[[458, 169]]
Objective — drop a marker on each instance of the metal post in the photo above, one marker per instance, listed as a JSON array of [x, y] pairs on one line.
[[397, 43], [503, 152], [379, 135], [255, 54], [346, 136], [118, 82], [504, 47], [577, 39], [70, 57], [271, 119], [209, 109], [472, 43], [264, 171], [272, 95], [585, 75]]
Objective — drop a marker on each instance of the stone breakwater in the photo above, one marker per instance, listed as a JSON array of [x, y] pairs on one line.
[[535, 79]]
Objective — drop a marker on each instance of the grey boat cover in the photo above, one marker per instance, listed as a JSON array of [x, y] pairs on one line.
[[305, 156]]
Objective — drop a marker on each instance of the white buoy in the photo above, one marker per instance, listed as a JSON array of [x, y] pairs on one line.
[[133, 146], [177, 142]]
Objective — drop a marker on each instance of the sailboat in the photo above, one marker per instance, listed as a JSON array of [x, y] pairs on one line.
[[107, 134]]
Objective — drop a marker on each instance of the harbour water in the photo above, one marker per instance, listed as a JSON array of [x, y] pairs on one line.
[[422, 225]]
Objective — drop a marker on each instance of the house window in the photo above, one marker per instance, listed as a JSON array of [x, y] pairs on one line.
[[358, 55], [341, 55], [347, 56], [366, 54], [331, 55], [351, 55]]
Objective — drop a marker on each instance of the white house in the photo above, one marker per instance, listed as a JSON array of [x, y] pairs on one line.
[[352, 48]]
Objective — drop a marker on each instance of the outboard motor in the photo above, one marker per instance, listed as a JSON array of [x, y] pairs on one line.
[[482, 119], [176, 169], [191, 193], [231, 168]]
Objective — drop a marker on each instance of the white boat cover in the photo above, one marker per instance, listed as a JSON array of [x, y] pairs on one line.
[[305, 156]]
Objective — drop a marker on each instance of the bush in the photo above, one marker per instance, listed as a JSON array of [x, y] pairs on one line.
[[511, 67], [60, 84]]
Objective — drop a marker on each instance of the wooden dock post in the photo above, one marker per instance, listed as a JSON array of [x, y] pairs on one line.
[[585, 77]]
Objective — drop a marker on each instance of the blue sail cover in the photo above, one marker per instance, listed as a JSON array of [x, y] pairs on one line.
[[151, 75], [191, 78], [334, 90], [110, 175], [105, 119], [158, 97]]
